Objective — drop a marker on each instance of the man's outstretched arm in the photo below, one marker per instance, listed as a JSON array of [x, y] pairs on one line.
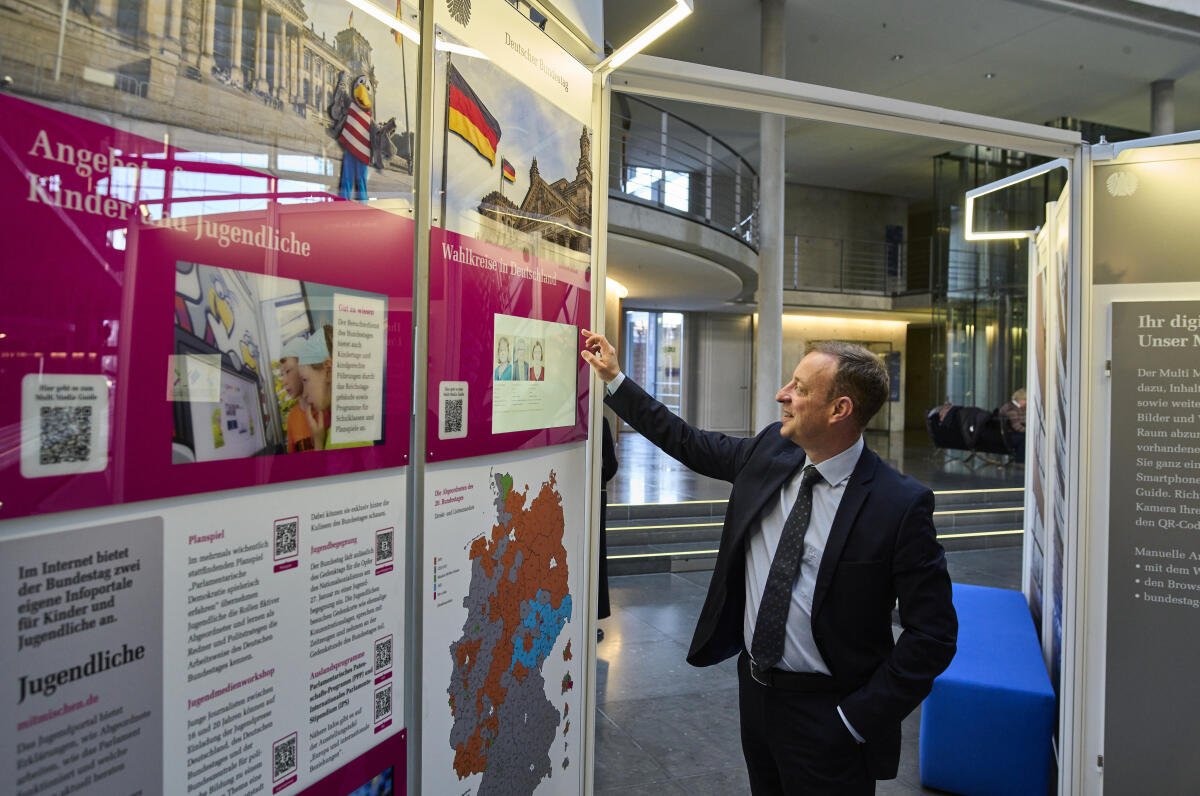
[[706, 452]]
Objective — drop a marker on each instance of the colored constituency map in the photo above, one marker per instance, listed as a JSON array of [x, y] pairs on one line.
[[517, 605]]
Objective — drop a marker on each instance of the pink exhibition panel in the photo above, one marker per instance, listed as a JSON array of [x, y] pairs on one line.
[[504, 340], [162, 308]]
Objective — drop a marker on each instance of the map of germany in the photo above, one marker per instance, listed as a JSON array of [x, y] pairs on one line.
[[517, 605]]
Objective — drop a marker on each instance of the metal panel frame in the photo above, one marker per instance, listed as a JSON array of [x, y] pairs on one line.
[[708, 85], [414, 601], [667, 79], [1090, 619]]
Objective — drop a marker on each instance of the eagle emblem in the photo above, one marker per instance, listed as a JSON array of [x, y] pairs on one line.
[[460, 10], [1121, 183]]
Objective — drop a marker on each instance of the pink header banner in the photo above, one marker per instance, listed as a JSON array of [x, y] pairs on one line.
[[504, 367], [173, 324]]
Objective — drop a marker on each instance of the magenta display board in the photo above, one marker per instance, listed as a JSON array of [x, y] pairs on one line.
[[149, 293], [379, 771], [486, 300]]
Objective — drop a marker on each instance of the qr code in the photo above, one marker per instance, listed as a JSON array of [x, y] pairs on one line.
[[285, 757], [286, 537], [452, 415], [383, 703], [383, 546], [383, 654], [66, 434]]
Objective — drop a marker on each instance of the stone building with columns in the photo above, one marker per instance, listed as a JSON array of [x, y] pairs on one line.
[[254, 70], [558, 212]]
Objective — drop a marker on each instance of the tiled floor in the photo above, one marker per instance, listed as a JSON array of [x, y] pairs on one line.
[[664, 727]]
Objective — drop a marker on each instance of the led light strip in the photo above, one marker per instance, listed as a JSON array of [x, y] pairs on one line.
[[657, 527], [936, 492], [670, 19], [714, 552], [393, 22], [969, 217]]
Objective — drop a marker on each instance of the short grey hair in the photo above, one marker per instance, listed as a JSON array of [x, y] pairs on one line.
[[861, 376]]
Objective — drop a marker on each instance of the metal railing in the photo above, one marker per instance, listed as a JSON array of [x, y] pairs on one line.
[[669, 163], [843, 265]]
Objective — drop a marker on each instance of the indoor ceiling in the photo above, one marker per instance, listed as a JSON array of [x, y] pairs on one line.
[[1027, 60], [666, 277]]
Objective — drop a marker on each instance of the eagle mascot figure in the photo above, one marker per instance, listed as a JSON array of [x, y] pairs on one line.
[[363, 142]]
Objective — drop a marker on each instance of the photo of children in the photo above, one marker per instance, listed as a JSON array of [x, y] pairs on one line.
[[270, 343], [299, 436]]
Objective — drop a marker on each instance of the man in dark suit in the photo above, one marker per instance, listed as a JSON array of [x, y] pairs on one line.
[[821, 538]]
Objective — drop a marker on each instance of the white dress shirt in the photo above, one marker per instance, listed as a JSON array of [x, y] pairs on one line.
[[800, 653]]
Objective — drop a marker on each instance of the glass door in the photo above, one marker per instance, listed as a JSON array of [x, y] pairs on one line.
[[653, 354]]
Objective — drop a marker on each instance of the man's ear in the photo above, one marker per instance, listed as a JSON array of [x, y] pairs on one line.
[[843, 409]]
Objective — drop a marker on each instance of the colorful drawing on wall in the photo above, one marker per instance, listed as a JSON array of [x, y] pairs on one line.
[[271, 365]]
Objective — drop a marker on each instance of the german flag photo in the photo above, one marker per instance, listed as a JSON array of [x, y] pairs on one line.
[[470, 119], [507, 170]]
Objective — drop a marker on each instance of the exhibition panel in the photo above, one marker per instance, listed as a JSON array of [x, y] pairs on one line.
[[505, 616], [206, 394], [243, 235], [229, 643], [510, 252], [504, 538], [1145, 481]]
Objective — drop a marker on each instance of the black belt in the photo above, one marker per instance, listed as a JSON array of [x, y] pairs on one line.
[[808, 682]]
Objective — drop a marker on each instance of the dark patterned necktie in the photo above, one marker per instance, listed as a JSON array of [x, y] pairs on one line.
[[770, 627]]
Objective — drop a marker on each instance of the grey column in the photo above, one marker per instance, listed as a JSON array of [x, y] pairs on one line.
[[235, 62], [1162, 107], [210, 27], [277, 84], [260, 49], [175, 27], [156, 19], [298, 66], [768, 343]]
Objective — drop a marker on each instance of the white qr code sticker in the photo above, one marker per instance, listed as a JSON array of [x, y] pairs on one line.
[[383, 703], [64, 424], [284, 757], [452, 410]]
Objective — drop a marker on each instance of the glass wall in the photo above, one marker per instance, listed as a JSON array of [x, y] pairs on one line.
[[979, 287], [652, 345]]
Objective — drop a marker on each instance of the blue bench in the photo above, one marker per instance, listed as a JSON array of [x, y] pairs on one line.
[[988, 724]]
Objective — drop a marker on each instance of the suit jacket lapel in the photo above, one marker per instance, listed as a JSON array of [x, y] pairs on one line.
[[852, 500], [782, 467]]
